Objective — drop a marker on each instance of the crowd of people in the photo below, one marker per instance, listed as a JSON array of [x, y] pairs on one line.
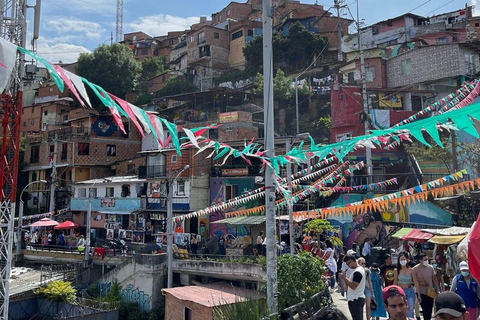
[[56, 238]]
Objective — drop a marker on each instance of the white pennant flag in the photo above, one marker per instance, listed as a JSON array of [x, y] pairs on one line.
[[77, 81], [8, 56]]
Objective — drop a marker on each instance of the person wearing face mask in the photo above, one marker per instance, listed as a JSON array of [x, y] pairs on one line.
[[467, 287], [426, 279], [406, 279]]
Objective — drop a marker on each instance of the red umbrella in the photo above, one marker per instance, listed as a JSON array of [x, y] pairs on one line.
[[45, 222], [474, 250], [66, 225]]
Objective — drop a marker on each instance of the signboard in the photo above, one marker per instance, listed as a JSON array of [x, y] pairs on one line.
[[228, 117], [107, 202], [389, 100], [233, 172]]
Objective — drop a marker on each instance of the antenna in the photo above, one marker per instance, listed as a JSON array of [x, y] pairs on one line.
[[119, 25]]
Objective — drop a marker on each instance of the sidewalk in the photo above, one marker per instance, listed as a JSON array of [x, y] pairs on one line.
[[342, 304]]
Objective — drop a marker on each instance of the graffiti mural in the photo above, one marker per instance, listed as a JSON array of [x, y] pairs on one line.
[[134, 295]]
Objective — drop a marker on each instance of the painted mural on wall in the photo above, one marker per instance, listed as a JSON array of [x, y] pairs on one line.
[[104, 127], [134, 295], [218, 195]]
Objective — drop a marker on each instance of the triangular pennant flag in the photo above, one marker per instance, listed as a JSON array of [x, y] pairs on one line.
[[77, 81], [8, 56]]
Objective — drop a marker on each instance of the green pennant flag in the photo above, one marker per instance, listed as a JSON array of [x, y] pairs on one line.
[[432, 130], [56, 78], [172, 129]]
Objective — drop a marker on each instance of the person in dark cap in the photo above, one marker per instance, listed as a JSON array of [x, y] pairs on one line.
[[450, 306], [395, 302]]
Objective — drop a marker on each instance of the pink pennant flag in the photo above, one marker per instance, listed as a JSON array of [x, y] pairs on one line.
[[126, 107], [117, 118], [69, 83], [151, 117]]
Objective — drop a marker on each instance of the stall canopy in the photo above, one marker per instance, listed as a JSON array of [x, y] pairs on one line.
[[474, 250], [45, 222], [247, 220], [438, 239], [452, 231], [66, 225], [417, 235], [402, 232]]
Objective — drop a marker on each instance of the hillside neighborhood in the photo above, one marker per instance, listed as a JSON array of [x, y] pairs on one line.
[[149, 198]]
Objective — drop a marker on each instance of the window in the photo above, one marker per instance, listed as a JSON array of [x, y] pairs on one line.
[[201, 37], [126, 126], [204, 51], [237, 34], [351, 77], [180, 188], [45, 113], [192, 38], [231, 191], [65, 118], [187, 314], [125, 190], [250, 33], [389, 24], [82, 193], [93, 192], [111, 150], [83, 149], [441, 40], [370, 73], [24, 123], [229, 12], [32, 122], [144, 52], [34, 154], [174, 158], [109, 192], [216, 35], [64, 153], [170, 42], [131, 168], [213, 134], [34, 176], [406, 66]]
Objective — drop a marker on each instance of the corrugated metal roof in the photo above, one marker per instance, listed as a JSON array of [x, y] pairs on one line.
[[211, 295], [247, 220]]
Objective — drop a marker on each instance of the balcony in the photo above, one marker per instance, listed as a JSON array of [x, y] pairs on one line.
[[106, 205], [152, 172], [160, 203], [68, 132]]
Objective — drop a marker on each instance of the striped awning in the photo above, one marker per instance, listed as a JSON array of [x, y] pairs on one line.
[[247, 220], [402, 232], [417, 235]]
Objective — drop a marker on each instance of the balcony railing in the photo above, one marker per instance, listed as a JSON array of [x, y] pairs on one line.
[[152, 172]]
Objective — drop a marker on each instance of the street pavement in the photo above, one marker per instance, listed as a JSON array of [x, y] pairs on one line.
[[342, 304]]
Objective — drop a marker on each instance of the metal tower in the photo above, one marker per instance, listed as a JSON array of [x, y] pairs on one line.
[[119, 24], [13, 29]]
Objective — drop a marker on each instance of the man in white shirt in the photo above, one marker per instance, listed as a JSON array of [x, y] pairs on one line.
[[356, 287]]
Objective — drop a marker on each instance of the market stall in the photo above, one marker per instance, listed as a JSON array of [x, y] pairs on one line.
[[417, 235]]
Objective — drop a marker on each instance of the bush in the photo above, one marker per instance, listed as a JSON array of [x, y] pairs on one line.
[[242, 310], [58, 291]]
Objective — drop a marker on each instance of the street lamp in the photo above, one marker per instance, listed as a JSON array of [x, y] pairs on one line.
[[288, 143], [88, 232], [20, 217], [171, 180]]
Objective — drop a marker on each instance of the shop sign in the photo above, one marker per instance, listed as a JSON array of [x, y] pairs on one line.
[[228, 117], [233, 172], [107, 202]]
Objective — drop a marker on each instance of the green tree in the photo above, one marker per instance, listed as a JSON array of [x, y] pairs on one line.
[[113, 67], [299, 278], [317, 226], [434, 153], [59, 291], [176, 85], [283, 90], [152, 67], [143, 98]]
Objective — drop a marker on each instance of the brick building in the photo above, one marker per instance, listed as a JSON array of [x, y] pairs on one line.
[[198, 302]]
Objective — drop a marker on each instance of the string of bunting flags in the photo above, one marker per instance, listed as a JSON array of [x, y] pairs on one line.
[[44, 215], [416, 194], [371, 186]]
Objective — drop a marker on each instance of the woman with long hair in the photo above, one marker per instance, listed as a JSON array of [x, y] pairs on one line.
[[406, 278]]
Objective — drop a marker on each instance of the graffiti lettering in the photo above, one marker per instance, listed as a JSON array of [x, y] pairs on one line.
[[130, 295]]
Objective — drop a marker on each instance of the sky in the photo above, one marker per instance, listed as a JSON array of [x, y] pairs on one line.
[[68, 28]]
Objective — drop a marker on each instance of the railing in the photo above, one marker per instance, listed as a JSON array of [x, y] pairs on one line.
[[306, 310], [150, 172]]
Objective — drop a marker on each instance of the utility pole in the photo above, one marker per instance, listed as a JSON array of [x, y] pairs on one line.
[[171, 179], [336, 4], [290, 205], [272, 295], [368, 151], [53, 175]]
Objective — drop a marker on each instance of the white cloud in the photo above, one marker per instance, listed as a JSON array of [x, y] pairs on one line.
[[476, 9], [68, 26], [64, 52], [160, 24], [100, 7]]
